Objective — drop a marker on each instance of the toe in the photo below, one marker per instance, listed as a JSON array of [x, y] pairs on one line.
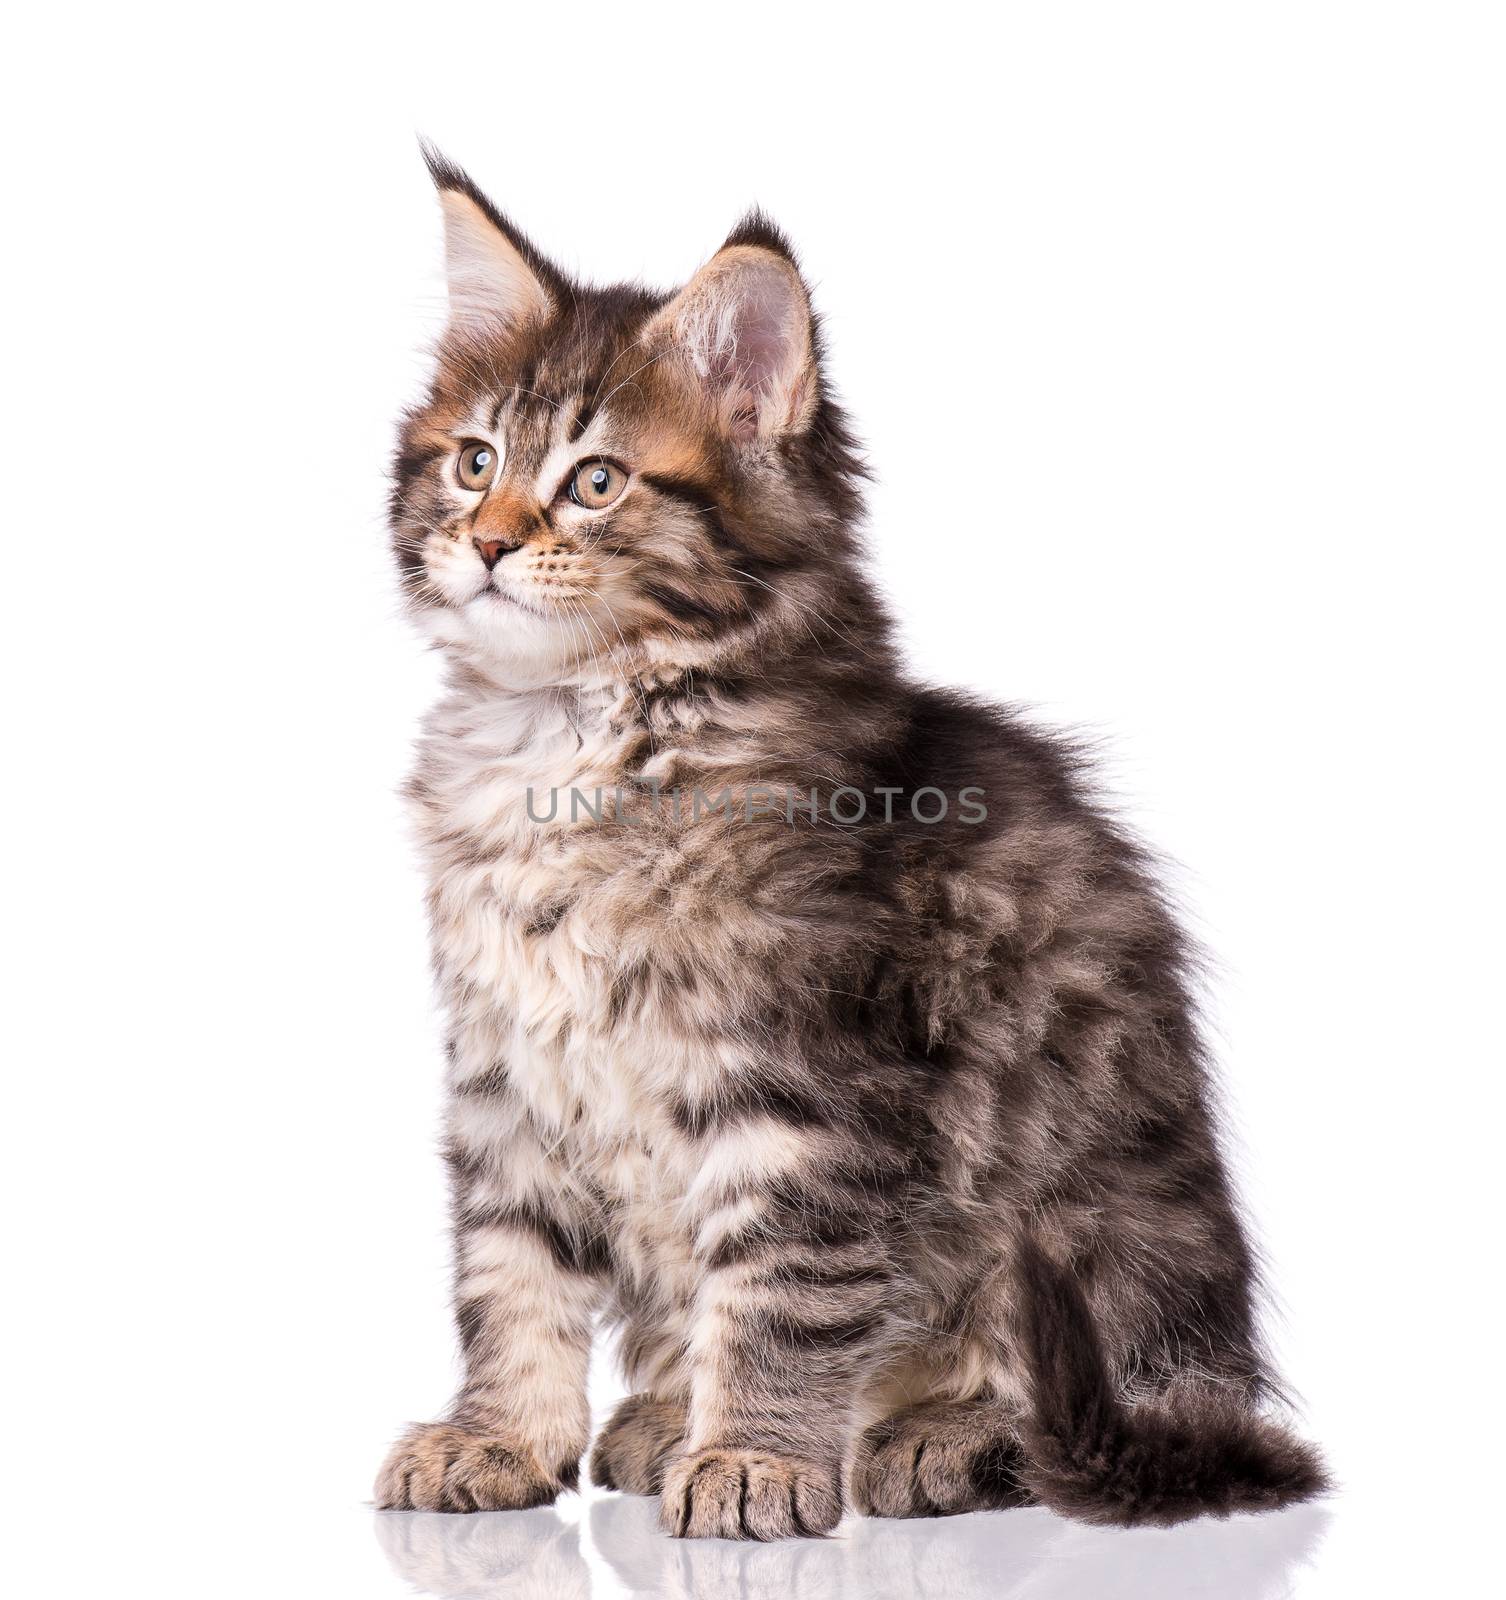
[[816, 1503]]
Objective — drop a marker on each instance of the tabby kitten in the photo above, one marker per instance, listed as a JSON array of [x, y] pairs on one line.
[[885, 1135]]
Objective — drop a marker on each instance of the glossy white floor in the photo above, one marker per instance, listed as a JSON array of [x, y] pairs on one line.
[[610, 1547]]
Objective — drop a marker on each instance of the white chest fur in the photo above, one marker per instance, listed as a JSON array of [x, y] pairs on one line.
[[544, 931]]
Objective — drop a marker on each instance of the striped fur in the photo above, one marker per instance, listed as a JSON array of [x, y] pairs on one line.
[[819, 1111]]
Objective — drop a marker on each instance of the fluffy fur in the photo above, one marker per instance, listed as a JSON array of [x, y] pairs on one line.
[[887, 1141]]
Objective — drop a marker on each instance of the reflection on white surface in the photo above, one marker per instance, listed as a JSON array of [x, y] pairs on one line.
[[1013, 1555], [519, 1555]]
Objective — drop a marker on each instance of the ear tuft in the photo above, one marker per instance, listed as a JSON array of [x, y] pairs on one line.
[[743, 327], [446, 174], [496, 277], [757, 228]]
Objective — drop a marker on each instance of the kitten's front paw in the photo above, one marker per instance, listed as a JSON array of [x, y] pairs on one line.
[[439, 1467], [745, 1494]]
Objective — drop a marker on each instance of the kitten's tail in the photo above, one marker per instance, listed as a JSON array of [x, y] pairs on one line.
[[1091, 1455]]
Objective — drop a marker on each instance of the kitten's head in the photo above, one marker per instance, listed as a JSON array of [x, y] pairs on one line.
[[606, 479]]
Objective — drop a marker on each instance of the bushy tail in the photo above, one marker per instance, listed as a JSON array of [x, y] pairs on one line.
[[1091, 1455]]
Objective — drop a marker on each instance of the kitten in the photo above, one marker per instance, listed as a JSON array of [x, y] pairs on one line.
[[813, 1024]]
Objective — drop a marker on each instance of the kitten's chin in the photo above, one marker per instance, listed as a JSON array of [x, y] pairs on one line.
[[514, 646]]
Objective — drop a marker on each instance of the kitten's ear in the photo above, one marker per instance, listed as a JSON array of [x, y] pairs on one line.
[[496, 277], [743, 327]]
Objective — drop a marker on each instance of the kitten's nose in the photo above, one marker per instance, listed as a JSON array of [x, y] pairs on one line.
[[505, 521], [491, 551]]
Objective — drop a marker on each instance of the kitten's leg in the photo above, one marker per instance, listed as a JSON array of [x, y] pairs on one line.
[[792, 1315], [528, 1283], [655, 1294], [946, 1434]]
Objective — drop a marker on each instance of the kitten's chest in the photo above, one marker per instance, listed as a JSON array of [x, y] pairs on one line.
[[545, 927], [497, 792]]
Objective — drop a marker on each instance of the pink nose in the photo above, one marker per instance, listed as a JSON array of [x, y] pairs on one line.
[[490, 551]]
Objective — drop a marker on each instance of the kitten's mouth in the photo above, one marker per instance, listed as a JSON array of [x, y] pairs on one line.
[[492, 592]]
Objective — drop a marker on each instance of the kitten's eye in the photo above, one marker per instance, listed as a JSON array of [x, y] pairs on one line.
[[477, 465], [597, 484]]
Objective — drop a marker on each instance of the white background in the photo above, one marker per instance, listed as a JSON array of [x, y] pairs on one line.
[[1176, 333]]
